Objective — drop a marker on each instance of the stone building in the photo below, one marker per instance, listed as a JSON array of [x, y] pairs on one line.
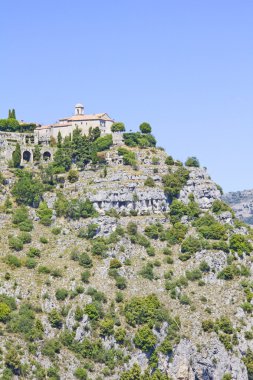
[[79, 120], [43, 134]]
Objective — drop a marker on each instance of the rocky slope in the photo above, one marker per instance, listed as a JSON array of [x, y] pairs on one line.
[[242, 203], [149, 283]]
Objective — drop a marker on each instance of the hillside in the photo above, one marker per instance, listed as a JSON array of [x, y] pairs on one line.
[[128, 268], [242, 204]]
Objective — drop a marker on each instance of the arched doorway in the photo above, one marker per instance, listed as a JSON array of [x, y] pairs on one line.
[[26, 156], [46, 156]]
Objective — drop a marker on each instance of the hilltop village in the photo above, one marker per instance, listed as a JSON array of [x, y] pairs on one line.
[[28, 135]]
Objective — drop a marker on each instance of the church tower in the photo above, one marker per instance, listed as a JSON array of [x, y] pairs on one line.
[[79, 109]]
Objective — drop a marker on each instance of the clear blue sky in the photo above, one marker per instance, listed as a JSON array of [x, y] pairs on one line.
[[185, 66]]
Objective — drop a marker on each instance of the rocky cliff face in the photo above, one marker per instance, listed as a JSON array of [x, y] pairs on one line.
[[143, 286], [242, 204]]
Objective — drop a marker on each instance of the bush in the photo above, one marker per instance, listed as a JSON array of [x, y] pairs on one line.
[[193, 275], [33, 252], [61, 294], [85, 260], [45, 214], [239, 243], [132, 228], [106, 326], [73, 176], [99, 247], [21, 219], [169, 160], [118, 127], [204, 267], [25, 237], [191, 245], [85, 276], [219, 207], [51, 347], [174, 182], [103, 143], [145, 128], [81, 373], [129, 157], [149, 182], [5, 311], [92, 230], [176, 234], [27, 191], [15, 243], [13, 261], [147, 271], [141, 310], [93, 310], [115, 263], [192, 161], [145, 339], [30, 263], [55, 319]]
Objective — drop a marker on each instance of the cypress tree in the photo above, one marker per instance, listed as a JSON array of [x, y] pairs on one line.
[[9, 114], [16, 156], [13, 114]]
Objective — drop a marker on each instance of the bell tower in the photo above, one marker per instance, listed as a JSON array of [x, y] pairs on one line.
[[79, 109]]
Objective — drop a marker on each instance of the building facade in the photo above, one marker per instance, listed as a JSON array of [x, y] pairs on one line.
[[79, 120]]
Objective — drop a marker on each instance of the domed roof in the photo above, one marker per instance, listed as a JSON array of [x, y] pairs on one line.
[[78, 105]]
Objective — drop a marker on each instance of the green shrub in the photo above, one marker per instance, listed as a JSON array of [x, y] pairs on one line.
[[147, 271], [208, 325], [55, 319], [81, 373], [132, 228], [174, 182], [43, 240], [13, 261], [61, 294], [129, 157], [141, 310], [93, 310], [51, 347], [85, 260], [34, 252], [103, 143], [115, 263], [45, 214], [149, 182], [99, 247], [21, 219], [169, 160], [106, 326], [209, 228], [118, 127], [220, 206], [73, 176], [239, 243], [25, 237], [191, 245], [145, 128], [85, 276], [27, 191], [184, 299], [30, 263], [92, 230], [193, 275], [15, 243], [139, 139], [145, 339], [176, 233], [120, 282], [5, 311], [192, 161], [204, 266]]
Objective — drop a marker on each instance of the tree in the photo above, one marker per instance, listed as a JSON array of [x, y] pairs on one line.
[[13, 113], [27, 190], [192, 161], [16, 156], [36, 153], [145, 128], [118, 127], [59, 140]]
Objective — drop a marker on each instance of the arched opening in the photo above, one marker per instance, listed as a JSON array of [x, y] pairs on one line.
[[46, 156], [26, 156]]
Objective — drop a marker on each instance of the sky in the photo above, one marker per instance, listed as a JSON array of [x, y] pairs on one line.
[[184, 66]]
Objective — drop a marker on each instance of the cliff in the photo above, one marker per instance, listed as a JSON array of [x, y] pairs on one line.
[[127, 271], [242, 204]]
